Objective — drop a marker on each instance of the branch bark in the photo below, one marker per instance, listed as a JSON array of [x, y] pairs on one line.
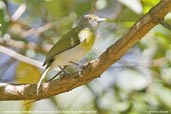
[[95, 68]]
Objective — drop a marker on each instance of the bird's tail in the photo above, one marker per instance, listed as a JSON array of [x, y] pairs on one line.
[[41, 79]]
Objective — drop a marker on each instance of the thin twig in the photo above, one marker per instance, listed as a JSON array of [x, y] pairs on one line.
[[20, 57], [18, 13], [165, 24], [37, 31], [24, 45]]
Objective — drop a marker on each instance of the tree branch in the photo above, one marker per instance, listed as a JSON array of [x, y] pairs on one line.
[[95, 68], [20, 57]]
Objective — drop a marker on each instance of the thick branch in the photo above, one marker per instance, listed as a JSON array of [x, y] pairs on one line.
[[95, 68]]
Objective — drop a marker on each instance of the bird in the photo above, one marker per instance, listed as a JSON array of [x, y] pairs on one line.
[[73, 45]]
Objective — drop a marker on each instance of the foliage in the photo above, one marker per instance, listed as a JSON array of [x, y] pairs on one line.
[[139, 83]]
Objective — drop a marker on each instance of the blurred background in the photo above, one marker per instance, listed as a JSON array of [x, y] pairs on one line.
[[138, 83]]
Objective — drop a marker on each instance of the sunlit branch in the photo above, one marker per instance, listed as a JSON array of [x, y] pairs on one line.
[[94, 69]]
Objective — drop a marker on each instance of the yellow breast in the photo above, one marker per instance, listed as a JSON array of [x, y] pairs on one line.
[[87, 38]]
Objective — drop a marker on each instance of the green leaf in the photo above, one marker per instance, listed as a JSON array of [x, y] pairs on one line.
[[26, 73]]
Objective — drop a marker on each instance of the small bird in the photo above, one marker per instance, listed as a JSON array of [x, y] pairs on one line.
[[73, 45]]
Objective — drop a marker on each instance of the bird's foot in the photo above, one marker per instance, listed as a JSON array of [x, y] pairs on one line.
[[63, 71], [81, 67]]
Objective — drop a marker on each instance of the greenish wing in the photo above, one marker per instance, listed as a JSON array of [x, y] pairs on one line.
[[68, 40]]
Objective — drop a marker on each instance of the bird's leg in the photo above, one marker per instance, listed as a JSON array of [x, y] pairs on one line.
[[63, 70], [59, 73], [80, 67], [54, 76]]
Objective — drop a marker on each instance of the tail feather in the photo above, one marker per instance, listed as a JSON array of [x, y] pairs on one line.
[[41, 79]]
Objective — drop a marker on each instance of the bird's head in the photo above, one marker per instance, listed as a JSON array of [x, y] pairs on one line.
[[90, 20], [93, 20]]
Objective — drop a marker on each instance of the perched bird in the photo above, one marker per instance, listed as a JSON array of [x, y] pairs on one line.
[[73, 45]]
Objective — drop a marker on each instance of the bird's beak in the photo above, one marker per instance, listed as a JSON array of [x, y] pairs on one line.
[[101, 19]]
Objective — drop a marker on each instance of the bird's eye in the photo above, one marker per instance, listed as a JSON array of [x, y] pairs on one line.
[[90, 19]]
